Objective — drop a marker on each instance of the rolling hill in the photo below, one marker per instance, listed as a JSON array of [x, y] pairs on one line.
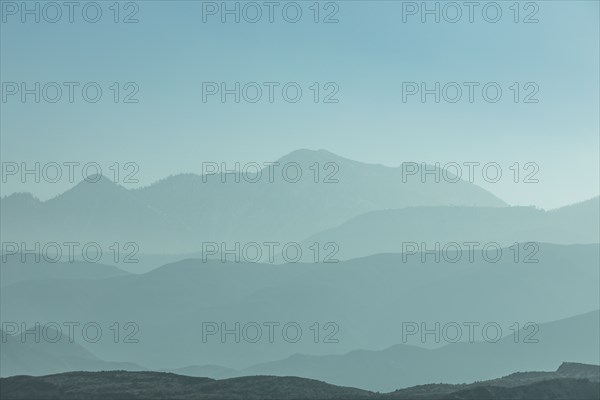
[[155, 385]]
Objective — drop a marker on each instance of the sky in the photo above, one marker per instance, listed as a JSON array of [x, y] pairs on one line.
[[370, 58]]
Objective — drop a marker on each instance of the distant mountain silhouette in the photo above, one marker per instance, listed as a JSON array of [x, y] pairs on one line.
[[14, 270], [173, 301], [402, 365], [176, 214], [210, 371], [156, 385], [26, 356], [384, 231]]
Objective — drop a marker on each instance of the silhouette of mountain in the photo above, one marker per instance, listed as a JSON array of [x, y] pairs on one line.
[[175, 300], [384, 231], [52, 352], [14, 270], [404, 366], [176, 214], [209, 371]]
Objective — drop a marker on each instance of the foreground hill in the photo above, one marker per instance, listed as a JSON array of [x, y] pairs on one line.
[[569, 381], [118, 385]]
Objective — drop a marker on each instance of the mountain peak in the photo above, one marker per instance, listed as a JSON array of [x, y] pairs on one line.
[[97, 180], [307, 155], [92, 187]]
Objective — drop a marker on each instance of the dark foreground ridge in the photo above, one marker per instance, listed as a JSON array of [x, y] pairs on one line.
[[570, 382]]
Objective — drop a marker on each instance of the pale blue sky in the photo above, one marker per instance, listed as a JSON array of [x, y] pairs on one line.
[[369, 53]]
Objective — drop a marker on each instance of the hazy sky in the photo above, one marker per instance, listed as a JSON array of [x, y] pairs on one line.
[[368, 55]]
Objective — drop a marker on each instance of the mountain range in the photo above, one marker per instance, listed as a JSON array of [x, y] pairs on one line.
[[371, 209], [171, 303], [349, 315], [176, 214]]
